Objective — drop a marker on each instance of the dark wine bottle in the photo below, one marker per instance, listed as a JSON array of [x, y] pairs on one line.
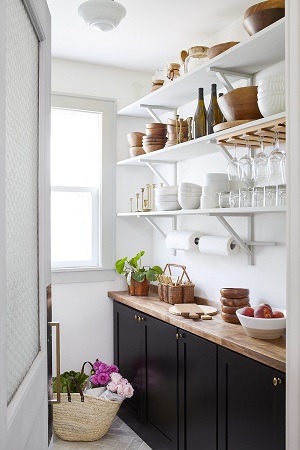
[[214, 115], [200, 116]]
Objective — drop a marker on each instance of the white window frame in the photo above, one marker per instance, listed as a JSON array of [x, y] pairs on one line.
[[104, 223]]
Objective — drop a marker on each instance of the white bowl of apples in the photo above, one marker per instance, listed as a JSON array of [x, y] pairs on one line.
[[263, 321]]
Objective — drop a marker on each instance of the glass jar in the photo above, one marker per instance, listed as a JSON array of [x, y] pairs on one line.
[[234, 199], [224, 199], [270, 196], [281, 195], [245, 197], [258, 197]]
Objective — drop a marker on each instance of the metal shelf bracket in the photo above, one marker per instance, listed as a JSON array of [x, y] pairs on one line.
[[160, 231], [221, 75], [150, 108], [156, 172]]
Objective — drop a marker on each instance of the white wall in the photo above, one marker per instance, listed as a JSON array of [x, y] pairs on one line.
[[83, 309]]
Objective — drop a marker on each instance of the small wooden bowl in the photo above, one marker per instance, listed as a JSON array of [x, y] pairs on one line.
[[219, 48], [199, 51], [240, 104], [152, 148], [136, 151], [234, 292], [230, 318], [135, 138], [160, 131], [156, 125], [239, 302], [262, 19]]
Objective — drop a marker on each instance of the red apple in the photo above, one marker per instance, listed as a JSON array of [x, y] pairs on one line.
[[278, 314], [264, 312], [247, 311]]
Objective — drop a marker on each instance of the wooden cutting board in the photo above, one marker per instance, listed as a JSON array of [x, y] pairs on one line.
[[192, 310]]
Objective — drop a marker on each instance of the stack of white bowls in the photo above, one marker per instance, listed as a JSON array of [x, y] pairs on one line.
[[214, 183], [271, 95], [166, 198], [189, 195]]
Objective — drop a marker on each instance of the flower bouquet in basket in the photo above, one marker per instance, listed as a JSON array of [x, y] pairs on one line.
[[89, 403]]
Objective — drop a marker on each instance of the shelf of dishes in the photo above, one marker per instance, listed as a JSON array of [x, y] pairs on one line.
[[253, 54], [207, 212], [247, 133]]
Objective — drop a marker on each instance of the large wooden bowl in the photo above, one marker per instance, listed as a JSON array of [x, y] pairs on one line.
[[262, 19], [240, 104], [219, 48], [269, 4]]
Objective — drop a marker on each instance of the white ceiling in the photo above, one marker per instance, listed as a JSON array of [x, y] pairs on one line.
[[153, 31]]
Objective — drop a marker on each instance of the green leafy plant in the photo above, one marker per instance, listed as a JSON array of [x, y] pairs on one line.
[[66, 378], [133, 268]]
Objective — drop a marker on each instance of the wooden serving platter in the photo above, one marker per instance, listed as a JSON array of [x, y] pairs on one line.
[[192, 310]]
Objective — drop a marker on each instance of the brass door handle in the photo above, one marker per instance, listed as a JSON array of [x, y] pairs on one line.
[[57, 326], [277, 381]]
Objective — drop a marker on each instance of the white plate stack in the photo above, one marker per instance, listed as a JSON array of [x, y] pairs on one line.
[[214, 183], [189, 195], [166, 198]]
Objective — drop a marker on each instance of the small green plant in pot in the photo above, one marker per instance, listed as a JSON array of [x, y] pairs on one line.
[[137, 275]]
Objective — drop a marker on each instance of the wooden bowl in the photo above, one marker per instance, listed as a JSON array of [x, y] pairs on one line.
[[136, 151], [219, 48], [234, 292], [240, 104], [262, 19], [152, 147], [159, 131], [199, 51], [269, 4], [156, 125], [135, 138]]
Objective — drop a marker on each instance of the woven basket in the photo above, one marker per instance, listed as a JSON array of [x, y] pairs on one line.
[[181, 293], [87, 420]]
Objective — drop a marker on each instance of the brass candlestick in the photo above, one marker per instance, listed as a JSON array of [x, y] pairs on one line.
[[189, 124], [180, 139], [131, 205], [177, 128], [142, 189], [137, 202]]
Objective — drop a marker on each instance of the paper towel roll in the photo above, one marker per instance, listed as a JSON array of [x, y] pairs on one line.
[[183, 240], [218, 245]]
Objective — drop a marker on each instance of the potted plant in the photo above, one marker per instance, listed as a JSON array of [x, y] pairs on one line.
[[137, 275]]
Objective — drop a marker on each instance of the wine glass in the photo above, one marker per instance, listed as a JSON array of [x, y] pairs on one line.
[[276, 164], [246, 167], [261, 166], [233, 170]]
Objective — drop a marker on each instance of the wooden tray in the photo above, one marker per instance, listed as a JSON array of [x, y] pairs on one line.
[[188, 309]]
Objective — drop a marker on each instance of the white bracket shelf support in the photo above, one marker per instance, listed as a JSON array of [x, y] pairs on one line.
[[221, 75], [154, 116], [156, 172], [246, 245], [160, 231]]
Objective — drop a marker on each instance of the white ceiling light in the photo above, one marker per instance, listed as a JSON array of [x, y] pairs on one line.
[[102, 15]]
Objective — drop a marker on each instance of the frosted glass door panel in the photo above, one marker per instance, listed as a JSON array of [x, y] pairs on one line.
[[21, 197]]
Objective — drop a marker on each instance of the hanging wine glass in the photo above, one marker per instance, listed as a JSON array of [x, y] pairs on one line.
[[233, 171], [261, 166], [246, 167], [276, 169]]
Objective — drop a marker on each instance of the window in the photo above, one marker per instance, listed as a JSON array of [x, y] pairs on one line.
[[82, 164]]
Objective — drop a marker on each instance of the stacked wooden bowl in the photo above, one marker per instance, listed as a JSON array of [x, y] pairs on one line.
[[135, 139], [232, 299], [263, 14], [155, 138], [172, 132]]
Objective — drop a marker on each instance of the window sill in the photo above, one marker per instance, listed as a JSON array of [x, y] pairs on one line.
[[82, 275]]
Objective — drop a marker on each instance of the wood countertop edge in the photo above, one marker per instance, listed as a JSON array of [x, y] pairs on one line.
[[231, 336]]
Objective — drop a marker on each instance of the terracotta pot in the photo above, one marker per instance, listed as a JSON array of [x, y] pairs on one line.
[[139, 287]]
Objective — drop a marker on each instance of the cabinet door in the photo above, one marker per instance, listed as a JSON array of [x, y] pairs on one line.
[[197, 393], [128, 351], [161, 402], [251, 408]]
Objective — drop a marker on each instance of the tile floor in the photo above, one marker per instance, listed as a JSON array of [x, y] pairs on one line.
[[119, 437]]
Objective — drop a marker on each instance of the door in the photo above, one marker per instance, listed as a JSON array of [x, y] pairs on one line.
[[24, 222], [251, 404], [197, 392]]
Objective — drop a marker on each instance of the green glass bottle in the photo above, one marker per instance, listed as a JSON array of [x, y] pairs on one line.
[[200, 116], [214, 115]]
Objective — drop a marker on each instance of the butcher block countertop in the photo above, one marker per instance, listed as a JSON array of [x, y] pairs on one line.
[[231, 336]]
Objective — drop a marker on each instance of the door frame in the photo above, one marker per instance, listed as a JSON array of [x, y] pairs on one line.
[[33, 391]]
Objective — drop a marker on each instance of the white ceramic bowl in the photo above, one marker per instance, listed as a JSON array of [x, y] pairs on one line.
[[280, 87], [189, 186], [270, 94], [272, 78], [166, 190], [189, 202], [166, 198], [167, 206], [189, 192], [270, 105], [261, 328]]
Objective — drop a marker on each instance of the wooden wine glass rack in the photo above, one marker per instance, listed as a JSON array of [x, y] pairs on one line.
[[253, 135]]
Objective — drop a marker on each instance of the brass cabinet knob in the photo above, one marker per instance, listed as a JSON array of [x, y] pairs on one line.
[[277, 381], [139, 319], [136, 317], [178, 336], [142, 319]]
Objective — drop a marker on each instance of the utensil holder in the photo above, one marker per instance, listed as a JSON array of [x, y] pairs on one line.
[[179, 293]]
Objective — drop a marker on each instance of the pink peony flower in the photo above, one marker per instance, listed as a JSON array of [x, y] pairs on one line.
[[103, 378], [128, 390], [113, 368], [115, 377], [112, 386], [120, 388]]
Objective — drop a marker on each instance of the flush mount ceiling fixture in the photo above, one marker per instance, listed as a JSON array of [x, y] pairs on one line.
[[102, 15]]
